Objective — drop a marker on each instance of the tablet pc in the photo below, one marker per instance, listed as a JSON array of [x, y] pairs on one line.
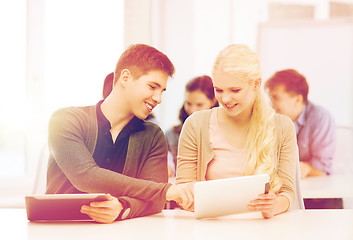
[[221, 197], [60, 206]]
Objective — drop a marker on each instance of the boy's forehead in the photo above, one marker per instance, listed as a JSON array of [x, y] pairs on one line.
[[283, 91], [281, 88], [156, 77]]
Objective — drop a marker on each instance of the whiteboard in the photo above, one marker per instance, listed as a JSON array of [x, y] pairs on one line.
[[320, 50]]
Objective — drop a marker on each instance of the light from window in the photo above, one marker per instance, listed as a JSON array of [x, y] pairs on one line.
[[12, 87]]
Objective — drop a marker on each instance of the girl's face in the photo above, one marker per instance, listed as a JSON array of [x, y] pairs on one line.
[[196, 101], [235, 94]]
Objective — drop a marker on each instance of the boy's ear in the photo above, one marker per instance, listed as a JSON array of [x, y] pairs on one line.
[[125, 76], [299, 99]]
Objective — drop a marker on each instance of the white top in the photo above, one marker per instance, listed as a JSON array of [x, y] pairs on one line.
[[228, 161]]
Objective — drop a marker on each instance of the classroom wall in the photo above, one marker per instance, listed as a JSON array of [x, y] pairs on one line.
[[321, 50], [192, 32]]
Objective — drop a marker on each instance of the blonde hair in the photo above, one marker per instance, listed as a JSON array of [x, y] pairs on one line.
[[261, 139]]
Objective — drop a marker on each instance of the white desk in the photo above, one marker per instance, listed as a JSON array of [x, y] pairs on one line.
[[180, 225], [332, 186]]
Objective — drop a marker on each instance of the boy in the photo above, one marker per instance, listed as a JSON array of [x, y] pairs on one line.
[[315, 127], [108, 148]]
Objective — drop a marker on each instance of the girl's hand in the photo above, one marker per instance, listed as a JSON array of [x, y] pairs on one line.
[[105, 211], [266, 204]]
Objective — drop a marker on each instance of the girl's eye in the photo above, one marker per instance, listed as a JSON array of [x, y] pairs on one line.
[[235, 90], [152, 87], [219, 90]]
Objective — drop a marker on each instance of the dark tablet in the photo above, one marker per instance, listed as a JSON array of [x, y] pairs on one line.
[[60, 206]]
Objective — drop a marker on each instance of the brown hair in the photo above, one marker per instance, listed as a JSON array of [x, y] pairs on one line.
[[292, 80], [140, 59], [205, 85]]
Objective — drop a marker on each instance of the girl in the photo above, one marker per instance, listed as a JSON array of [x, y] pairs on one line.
[[243, 136], [199, 95]]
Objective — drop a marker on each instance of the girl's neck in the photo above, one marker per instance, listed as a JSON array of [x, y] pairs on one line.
[[241, 120]]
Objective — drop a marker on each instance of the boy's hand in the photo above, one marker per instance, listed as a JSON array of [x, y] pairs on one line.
[[183, 194], [105, 211]]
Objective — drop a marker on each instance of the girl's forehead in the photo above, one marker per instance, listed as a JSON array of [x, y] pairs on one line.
[[229, 80]]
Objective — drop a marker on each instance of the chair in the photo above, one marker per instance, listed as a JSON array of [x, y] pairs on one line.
[[343, 158], [40, 180], [298, 202]]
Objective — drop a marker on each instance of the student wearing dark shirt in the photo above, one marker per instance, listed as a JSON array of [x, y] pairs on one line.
[[108, 148]]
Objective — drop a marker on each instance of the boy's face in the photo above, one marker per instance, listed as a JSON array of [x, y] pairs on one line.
[[286, 103], [145, 92]]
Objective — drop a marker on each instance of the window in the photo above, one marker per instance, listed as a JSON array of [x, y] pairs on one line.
[[13, 87], [79, 43]]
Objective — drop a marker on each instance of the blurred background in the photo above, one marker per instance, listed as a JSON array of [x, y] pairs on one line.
[[57, 53]]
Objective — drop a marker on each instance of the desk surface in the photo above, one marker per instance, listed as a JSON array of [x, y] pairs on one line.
[[179, 224], [332, 186]]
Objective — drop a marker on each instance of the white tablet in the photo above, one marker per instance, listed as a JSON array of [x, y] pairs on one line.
[[60, 206], [221, 197]]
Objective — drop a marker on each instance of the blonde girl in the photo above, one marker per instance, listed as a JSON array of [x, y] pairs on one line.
[[243, 136]]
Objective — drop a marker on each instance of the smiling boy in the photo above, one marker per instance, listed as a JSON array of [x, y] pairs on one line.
[[109, 148]]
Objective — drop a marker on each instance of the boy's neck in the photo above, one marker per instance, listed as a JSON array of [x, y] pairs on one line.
[[115, 110]]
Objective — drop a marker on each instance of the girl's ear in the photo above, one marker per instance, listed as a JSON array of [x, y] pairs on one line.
[[257, 83], [214, 102]]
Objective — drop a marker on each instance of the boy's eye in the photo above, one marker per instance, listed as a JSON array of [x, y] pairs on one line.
[[152, 87], [219, 90], [235, 90]]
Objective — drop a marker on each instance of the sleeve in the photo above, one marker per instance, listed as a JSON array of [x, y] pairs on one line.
[[288, 159], [171, 163], [187, 153], [323, 143], [172, 141], [154, 169], [67, 145]]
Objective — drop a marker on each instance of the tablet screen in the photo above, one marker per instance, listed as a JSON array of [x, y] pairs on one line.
[[215, 198]]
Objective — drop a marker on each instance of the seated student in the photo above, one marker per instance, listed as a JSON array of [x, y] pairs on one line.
[[107, 88], [315, 127], [199, 95], [107, 148], [243, 136]]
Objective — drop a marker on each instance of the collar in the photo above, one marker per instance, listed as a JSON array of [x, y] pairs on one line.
[[301, 119], [104, 125]]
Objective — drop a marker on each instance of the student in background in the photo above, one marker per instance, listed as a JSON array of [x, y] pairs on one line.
[[199, 95], [315, 127], [243, 136], [108, 148]]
